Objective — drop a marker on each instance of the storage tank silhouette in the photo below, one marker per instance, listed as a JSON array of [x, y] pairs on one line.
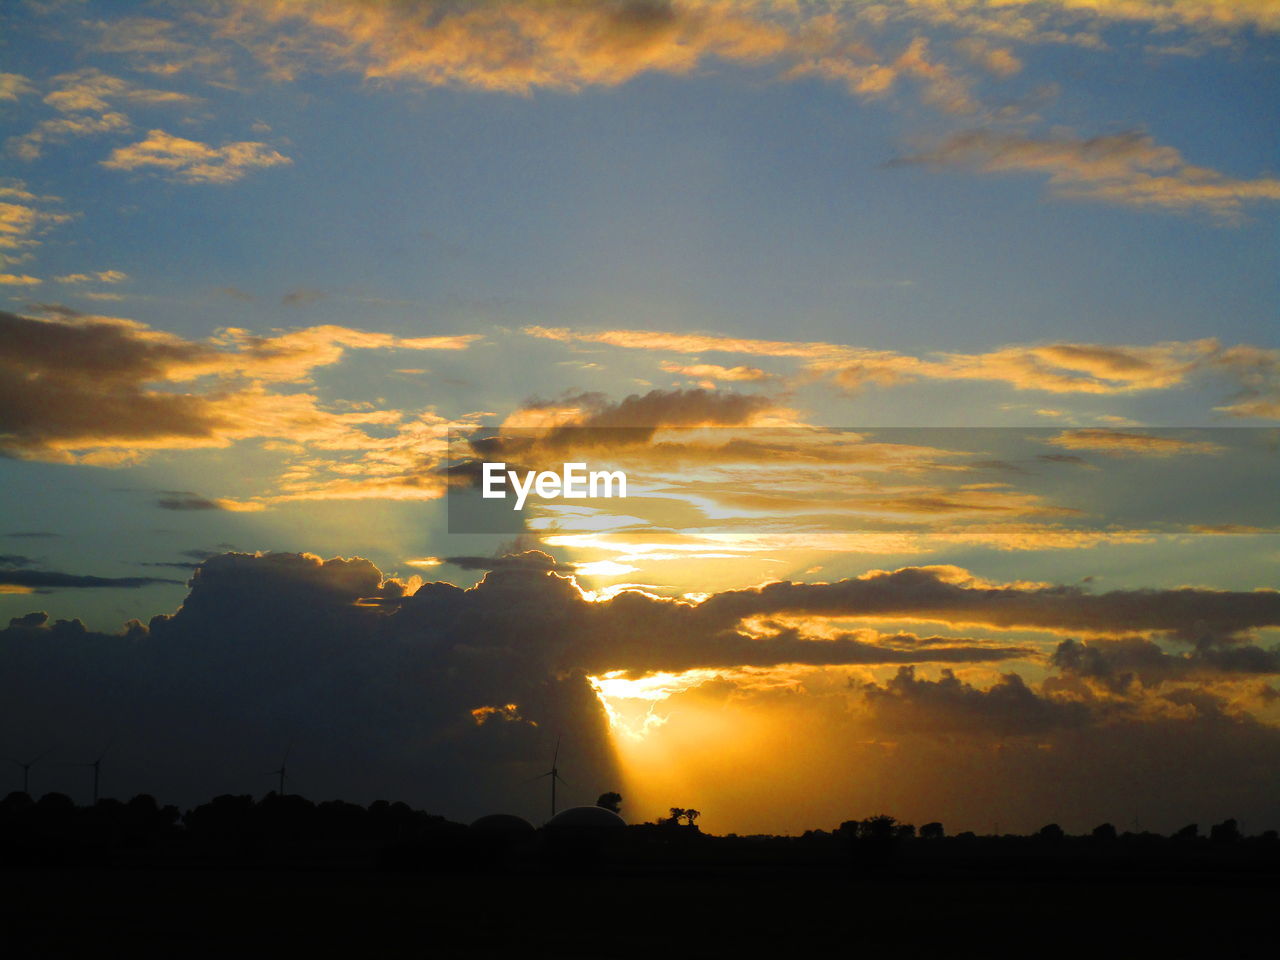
[[583, 829], [500, 832]]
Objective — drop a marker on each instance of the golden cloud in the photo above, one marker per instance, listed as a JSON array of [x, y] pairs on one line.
[[1130, 169], [192, 161]]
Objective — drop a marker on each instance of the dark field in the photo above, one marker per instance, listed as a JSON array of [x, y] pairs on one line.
[[629, 910]]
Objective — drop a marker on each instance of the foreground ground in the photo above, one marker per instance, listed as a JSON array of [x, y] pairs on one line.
[[605, 911]]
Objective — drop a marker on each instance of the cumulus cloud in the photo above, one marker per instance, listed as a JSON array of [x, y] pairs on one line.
[[450, 697], [85, 103], [91, 91], [376, 696], [1129, 169], [948, 705], [1119, 662], [191, 161], [512, 47]]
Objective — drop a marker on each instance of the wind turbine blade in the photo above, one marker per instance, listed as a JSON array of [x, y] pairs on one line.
[[555, 756], [110, 744], [562, 779]]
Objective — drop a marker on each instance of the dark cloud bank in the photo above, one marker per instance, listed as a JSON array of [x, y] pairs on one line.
[[378, 690]]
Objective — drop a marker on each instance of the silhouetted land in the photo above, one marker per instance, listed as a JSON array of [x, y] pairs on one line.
[[286, 876]]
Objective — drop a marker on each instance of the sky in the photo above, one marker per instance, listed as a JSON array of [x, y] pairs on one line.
[[937, 339]]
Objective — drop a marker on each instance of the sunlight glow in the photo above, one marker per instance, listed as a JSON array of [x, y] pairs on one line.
[[629, 703]]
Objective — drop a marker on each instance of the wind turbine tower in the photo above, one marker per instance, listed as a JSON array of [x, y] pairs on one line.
[[97, 771], [26, 771], [554, 774], [284, 767]]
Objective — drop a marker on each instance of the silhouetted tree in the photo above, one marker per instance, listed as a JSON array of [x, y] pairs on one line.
[[932, 831], [879, 827], [691, 815], [1050, 832], [1190, 832], [1228, 831], [1105, 832], [677, 814], [610, 801]]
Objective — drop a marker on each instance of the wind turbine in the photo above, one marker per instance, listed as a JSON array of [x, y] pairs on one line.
[[97, 770], [284, 766], [554, 774], [26, 770]]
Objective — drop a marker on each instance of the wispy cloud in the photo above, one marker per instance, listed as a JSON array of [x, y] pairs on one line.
[[1057, 368], [1132, 444], [191, 161], [1130, 169]]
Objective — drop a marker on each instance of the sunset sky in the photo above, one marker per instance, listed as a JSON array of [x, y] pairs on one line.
[[944, 333]]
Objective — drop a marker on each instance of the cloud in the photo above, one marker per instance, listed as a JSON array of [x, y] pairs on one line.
[[14, 85], [1257, 369], [84, 99], [301, 298], [92, 91], [686, 342], [1129, 169], [949, 706], [529, 560], [182, 500], [380, 688], [100, 276], [1044, 20], [712, 371], [191, 161], [52, 580], [1000, 61], [1058, 368], [950, 595], [24, 218], [550, 427], [1133, 444], [510, 47], [102, 389], [1117, 663], [281, 647], [19, 280], [30, 146]]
